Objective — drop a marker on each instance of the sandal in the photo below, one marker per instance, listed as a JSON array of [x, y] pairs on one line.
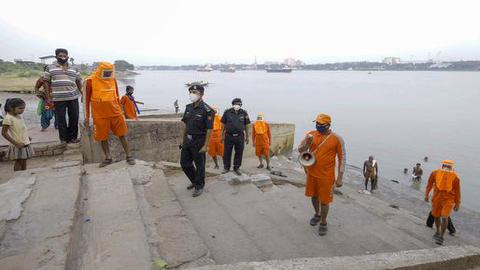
[[315, 220], [439, 240], [131, 160], [105, 162], [322, 229]]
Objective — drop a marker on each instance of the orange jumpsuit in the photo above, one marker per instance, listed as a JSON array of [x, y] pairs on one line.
[[215, 146], [102, 96], [129, 108], [446, 192], [261, 137], [321, 175]]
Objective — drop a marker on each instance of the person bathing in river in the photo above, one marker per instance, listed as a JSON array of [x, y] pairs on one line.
[[417, 172], [370, 172], [129, 104]]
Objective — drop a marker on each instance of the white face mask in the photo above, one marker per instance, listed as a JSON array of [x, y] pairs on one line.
[[194, 97], [236, 107]]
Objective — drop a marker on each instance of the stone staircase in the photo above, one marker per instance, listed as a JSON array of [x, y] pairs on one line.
[[74, 216]]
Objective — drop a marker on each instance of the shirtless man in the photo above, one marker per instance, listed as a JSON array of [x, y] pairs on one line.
[[417, 172], [370, 172]]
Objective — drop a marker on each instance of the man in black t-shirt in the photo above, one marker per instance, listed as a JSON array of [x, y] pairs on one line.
[[234, 135]]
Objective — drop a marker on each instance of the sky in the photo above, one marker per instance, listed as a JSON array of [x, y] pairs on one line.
[[173, 32]]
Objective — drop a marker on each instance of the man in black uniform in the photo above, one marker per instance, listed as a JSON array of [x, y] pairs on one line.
[[234, 134], [198, 119]]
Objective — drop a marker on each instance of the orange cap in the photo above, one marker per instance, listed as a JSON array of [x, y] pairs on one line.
[[448, 162], [323, 119]]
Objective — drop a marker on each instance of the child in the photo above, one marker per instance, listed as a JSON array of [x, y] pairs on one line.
[[45, 106], [15, 131], [129, 104]]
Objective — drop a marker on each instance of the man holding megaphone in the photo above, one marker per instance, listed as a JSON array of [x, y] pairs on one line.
[[317, 153]]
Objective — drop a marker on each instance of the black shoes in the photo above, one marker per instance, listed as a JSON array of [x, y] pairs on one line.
[[197, 192], [237, 172]]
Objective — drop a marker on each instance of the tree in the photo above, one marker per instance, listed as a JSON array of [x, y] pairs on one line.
[[122, 65]]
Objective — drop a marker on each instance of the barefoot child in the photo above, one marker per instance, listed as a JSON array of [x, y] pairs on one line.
[[14, 130]]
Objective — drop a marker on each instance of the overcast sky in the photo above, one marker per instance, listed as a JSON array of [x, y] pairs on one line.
[[217, 31]]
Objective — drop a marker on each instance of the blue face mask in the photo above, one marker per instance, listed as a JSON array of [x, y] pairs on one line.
[[321, 128]]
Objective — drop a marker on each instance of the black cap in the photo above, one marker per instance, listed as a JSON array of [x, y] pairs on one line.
[[197, 87], [236, 100]]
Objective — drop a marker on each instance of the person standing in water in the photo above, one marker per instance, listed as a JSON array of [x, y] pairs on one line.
[[370, 172]]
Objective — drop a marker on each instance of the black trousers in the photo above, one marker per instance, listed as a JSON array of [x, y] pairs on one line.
[[67, 133], [190, 155], [431, 221], [231, 142]]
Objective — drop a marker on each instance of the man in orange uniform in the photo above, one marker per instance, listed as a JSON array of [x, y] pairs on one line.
[[129, 104], [261, 138], [215, 147], [102, 96], [446, 195], [325, 146]]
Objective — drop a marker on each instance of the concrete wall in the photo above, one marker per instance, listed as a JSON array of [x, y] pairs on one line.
[[157, 138]]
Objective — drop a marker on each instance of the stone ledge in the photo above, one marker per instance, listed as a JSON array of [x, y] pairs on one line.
[[442, 258]]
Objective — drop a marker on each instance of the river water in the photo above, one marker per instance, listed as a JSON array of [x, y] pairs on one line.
[[399, 117]]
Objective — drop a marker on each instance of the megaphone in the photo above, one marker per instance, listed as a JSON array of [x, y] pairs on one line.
[[306, 159]]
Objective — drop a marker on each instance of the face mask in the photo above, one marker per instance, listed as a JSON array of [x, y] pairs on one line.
[[236, 107], [62, 60], [321, 129], [194, 97]]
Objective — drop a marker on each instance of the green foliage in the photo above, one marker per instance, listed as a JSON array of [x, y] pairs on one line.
[[122, 65], [20, 70]]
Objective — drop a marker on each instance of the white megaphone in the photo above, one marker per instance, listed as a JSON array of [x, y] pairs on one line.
[[306, 159]]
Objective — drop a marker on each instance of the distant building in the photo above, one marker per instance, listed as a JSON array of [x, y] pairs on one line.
[[291, 62], [391, 60], [48, 59], [20, 61]]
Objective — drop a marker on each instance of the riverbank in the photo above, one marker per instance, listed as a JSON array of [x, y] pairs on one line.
[[16, 84]]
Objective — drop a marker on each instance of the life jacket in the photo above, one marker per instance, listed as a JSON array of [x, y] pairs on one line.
[[103, 83], [444, 180], [216, 123], [260, 127]]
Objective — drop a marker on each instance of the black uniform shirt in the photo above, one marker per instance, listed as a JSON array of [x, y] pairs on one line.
[[198, 119], [235, 122]]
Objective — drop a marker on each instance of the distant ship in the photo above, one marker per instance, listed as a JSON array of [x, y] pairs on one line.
[[280, 70], [206, 68], [229, 69], [202, 83]]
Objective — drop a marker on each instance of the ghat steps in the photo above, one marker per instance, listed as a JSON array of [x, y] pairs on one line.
[[75, 216]]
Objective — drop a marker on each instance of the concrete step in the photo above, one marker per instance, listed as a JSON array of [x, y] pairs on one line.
[[113, 228], [39, 238], [443, 258], [242, 223], [177, 240]]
